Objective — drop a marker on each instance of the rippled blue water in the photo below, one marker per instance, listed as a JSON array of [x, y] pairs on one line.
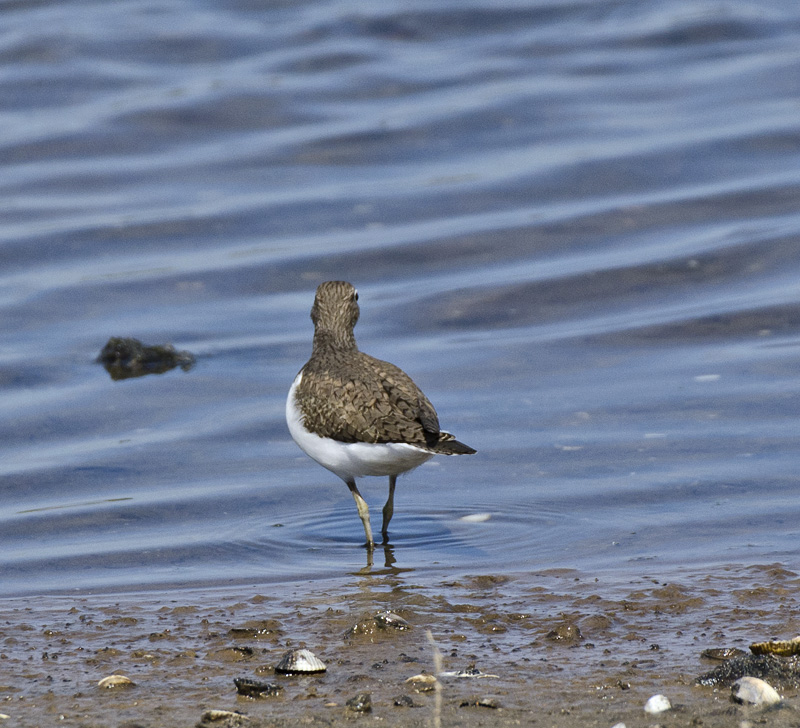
[[574, 222]]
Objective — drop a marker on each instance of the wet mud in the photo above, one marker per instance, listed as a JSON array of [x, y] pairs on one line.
[[552, 648]]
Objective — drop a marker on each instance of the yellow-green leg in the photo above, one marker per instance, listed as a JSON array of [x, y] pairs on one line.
[[363, 512]]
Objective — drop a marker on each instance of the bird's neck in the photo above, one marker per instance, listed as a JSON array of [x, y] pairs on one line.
[[334, 340]]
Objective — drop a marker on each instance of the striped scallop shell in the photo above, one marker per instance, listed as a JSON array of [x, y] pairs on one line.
[[300, 662]]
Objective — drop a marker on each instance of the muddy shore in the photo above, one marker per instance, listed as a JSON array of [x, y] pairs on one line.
[[558, 648]]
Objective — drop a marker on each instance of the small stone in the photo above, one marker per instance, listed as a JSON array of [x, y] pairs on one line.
[[222, 719], [754, 691], [479, 703], [619, 725], [361, 703], [657, 704], [566, 633], [405, 701], [256, 689], [423, 683]]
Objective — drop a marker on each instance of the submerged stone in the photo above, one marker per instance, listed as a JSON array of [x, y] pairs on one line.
[[124, 358]]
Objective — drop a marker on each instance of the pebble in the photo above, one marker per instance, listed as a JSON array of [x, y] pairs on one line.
[[255, 689], [361, 703], [423, 683], [479, 703], [567, 633], [223, 718], [619, 725], [657, 704], [754, 691]]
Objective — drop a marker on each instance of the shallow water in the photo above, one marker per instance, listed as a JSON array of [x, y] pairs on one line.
[[574, 224]]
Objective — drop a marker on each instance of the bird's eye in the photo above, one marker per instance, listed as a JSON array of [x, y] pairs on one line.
[[355, 295]]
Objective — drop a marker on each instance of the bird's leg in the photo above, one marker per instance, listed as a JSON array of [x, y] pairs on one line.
[[363, 512], [388, 509]]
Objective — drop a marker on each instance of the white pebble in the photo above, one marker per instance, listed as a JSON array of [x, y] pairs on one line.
[[619, 725], [754, 691], [657, 704]]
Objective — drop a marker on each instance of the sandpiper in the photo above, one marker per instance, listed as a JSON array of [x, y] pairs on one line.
[[357, 415]]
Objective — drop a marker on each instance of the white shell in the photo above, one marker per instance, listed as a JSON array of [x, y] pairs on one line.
[[300, 662], [116, 681], [657, 704], [754, 691]]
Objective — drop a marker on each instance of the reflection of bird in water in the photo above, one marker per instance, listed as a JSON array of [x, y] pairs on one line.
[[357, 415]]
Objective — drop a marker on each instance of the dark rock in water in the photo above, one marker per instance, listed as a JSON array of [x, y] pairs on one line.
[[126, 358], [255, 689], [783, 671], [361, 703]]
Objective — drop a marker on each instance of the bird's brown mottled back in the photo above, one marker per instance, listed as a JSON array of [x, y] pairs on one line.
[[350, 396]]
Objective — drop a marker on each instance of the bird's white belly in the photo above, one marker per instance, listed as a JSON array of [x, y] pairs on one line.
[[351, 459]]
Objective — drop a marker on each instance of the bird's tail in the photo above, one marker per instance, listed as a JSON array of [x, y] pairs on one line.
[[448, 445]]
